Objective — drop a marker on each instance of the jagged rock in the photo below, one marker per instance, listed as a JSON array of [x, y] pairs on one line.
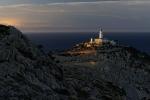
[[122, 66], [26, 73]]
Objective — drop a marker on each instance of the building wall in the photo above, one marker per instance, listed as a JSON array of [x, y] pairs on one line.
[[98, 41]]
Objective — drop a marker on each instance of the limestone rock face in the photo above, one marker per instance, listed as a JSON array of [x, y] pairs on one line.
[[27, 73], [127, 68], [122, 66]]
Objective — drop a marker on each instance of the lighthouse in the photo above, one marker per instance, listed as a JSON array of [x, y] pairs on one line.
[[98, 41], [100, 34]]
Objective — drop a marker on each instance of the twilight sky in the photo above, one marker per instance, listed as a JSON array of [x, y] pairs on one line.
[[76, 15]]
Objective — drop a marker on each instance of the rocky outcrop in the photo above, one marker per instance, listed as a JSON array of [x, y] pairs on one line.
[[122, 66], [126, 68], [27, 73]]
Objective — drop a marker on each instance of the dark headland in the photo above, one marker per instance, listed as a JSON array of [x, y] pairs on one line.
[[85, 72]]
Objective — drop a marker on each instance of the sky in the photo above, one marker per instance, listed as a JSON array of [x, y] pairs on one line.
[[76, 15]]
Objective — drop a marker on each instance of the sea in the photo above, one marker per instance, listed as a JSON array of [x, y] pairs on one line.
[[57, 41]]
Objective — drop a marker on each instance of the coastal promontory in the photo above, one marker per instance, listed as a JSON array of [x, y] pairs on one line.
[[111, 72]]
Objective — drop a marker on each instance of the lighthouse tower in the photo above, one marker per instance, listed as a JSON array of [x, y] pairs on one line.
[[101, 34], [99, 40]]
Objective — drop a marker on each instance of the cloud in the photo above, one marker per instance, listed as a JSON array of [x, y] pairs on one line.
[[15, 6], [138, 2], [14, 2], [74, 2], [80, 3], [79, 16]]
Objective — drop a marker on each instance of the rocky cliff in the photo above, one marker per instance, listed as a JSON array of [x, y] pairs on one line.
[[27, 73], [122, 66]]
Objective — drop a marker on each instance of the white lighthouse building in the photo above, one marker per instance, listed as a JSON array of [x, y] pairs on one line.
[[97, 41], [100, 34]]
